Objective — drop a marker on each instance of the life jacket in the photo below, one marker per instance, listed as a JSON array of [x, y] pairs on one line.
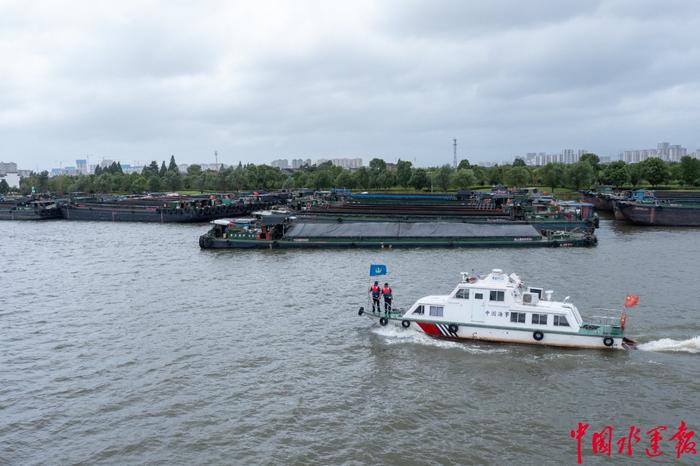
[[386, 291], [375, 291]]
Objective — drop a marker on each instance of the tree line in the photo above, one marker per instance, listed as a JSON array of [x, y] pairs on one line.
[[379, 175]]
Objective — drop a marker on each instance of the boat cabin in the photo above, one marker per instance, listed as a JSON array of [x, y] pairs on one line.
[[499, 300]]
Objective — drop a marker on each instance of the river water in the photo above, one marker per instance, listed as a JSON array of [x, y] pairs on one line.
[[127, 344]]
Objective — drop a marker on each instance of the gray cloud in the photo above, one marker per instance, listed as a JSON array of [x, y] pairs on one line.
[[399, 79]]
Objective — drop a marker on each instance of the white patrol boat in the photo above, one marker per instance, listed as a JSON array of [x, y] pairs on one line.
[[500, 308]]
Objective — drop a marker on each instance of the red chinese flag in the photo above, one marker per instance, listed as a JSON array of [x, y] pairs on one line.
[[631, 300]]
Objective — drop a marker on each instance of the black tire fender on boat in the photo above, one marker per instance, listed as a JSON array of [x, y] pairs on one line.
[[453, 328], [361, 311], [607, 341], [383, 321], [405, 323], [537, 335]]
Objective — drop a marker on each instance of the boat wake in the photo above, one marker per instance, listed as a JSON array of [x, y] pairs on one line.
[[394, 335], [691, 345]]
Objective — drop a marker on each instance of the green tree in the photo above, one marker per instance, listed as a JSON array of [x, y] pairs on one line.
[[615, 174], [689, 169], [4, 187], [554, 175], [463, 178], [42, 182], [463, 165], [153, 183], [322, 179], [419, 179], [580, 175], [386, 180], [655, 170], [196, 170], [163, 170], [635, 173], [495, 175], [139, 185], [362, 178], [103, 183], [403, 172], [518, 162], [172, 180], [344, 180], [592, 159], [377, 165], [441, 177], [172, 166], [152, 168], [517, 175]]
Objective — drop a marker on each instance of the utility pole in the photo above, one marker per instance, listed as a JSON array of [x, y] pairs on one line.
[[454, 159]]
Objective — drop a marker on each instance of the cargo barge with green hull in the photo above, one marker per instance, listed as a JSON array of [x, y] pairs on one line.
[[282, 233]]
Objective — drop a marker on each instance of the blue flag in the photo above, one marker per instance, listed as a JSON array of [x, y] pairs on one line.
[[377, 269]]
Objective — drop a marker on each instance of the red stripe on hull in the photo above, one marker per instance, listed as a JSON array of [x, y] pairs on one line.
[[430, 329]]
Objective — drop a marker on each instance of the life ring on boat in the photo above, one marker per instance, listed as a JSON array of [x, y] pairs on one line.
[[623, 321], [607, 341], [361, 311], [538, 336], [383, 321], [453, 328], [405, 323]]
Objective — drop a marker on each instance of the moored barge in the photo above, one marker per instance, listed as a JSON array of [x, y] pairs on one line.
[[285, 233], [29, 209]]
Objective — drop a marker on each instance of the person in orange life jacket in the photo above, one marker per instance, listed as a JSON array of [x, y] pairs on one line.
[[386, 291], [376, 293]]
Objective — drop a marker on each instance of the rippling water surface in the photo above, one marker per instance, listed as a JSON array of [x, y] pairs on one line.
[[127, 344]]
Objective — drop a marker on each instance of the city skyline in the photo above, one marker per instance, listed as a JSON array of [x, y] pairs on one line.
[[359, 78], [664, 150]]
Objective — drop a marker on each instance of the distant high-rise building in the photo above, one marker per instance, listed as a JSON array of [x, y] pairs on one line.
[[664, 150], [8, 167], [282, 164], [81, 166], [539, 159]]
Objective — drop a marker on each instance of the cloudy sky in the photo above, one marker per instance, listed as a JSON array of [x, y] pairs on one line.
[[259, 80]]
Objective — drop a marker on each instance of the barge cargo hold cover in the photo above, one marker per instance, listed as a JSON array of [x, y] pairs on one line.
[[408, 230], [295, 235]]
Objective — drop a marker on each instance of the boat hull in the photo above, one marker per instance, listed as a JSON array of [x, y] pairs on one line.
[[661, 215], [151, 215], [617, 212], [29, 214], [475, 332], [209, 242]]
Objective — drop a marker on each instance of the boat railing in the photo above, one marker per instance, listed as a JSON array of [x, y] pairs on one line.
[[602, 325]]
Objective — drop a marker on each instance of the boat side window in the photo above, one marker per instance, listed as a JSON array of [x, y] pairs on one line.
[[540, 319], [497, 296], [419, 310], [436, 311], [462, 293], [561, 321], [478, 296], [518, 317]]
